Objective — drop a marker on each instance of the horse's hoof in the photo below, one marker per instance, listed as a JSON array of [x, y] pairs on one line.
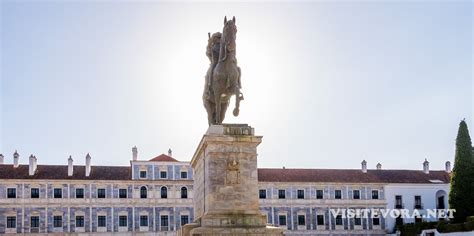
[[236, 112]]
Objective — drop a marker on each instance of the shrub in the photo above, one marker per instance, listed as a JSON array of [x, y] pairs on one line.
[[414, 229], [448, 228], [469, 226]]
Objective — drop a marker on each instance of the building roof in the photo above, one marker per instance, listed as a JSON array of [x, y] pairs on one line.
[[264, 174], [352, 176], [164, 157], [60, 172]]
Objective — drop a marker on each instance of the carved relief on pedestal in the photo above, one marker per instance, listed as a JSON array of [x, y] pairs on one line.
[[232, 172]]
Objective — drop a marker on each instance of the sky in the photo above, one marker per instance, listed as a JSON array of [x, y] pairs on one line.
[[327, 84]]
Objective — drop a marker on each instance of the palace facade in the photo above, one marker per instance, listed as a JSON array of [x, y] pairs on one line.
[[154, 197]]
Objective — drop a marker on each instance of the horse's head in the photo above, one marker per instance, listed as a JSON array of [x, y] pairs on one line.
[[229, 34], [213, 45]]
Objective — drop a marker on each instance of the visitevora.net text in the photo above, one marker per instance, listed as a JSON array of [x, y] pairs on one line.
[[394, 213]]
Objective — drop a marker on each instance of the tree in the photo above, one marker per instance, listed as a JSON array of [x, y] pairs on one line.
[[461, 196]]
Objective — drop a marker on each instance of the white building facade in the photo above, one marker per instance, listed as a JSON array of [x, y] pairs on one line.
[[154, 197]]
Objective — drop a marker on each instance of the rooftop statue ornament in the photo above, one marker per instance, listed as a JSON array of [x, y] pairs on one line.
[[223, 75]]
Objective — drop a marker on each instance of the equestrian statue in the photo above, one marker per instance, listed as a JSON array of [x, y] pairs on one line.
[[223, 76]]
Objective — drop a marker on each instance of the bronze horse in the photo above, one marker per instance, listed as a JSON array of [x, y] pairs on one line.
[[223, 78]]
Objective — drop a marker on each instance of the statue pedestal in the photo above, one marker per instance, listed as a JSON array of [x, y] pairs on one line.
[[226, 184]]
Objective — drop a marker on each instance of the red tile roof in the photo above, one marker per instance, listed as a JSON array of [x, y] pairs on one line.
[[164, 157], [264, 174], [351, 176], [60, 172]]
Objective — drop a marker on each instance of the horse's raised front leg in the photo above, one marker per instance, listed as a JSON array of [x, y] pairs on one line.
[[238, 97]]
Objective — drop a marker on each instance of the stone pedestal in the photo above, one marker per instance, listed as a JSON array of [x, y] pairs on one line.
[[226, 185]]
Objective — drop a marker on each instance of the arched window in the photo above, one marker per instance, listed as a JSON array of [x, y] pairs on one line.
[[143, 192], [164, 192], [184, 192]]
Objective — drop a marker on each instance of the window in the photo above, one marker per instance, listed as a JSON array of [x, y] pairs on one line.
[[184, 192], [339, 220], [143, 221], [338, 194], [262, 193], [184, 174], [376, 220], [184, 219], [58, 193], [143, 192], [122, 193], [11, 222], [101, 222], [164, 192], [282, 219], [35, 193], [356, 194], [300, 194], [399, 221], [163, 175], [101, 193], [357, 220], [79, 221], [281, 194], [398, 202], [320, 219], [143, 174], [164, 223], [11, 192], [319, 194], [301, 220], [122, 221], [375, 194], [79, 193], [418, 202], [418, 219], [34, 222], [57, 221]]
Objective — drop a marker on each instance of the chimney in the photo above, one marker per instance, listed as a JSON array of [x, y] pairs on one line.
[[379, 166], [32, 165], [16, 156], [69, 166], [35, 163], [1, 159], [448, 166], [170, 153], [88, 165], [134, 153], [364, 166], [426, 167]]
